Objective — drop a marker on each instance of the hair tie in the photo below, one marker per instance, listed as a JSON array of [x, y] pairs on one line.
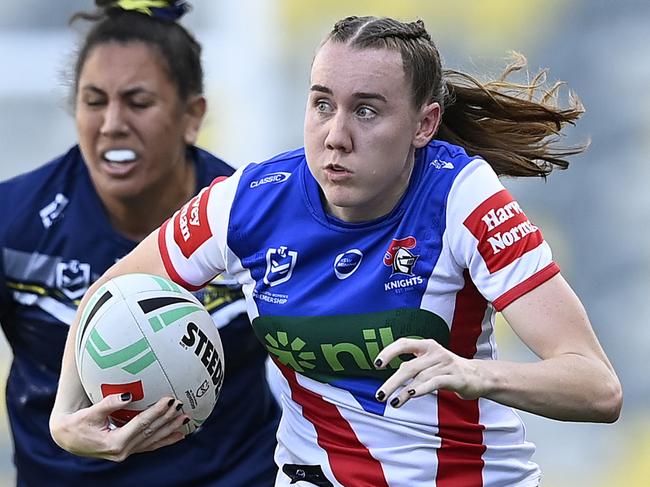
[[160, 9]]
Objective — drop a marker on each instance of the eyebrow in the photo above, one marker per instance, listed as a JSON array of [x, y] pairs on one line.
[[359, 94], [130, 92]]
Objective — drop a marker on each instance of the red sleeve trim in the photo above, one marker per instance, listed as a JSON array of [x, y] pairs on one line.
[[167, 262], [526, 286]]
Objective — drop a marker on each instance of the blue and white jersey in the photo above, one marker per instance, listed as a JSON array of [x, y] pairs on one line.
[[324, 296], [55, 240]]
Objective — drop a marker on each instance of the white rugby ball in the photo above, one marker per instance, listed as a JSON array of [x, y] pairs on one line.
[[148, 336]]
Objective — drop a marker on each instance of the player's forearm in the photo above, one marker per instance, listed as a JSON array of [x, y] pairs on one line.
[[71, 396], [568, 387]]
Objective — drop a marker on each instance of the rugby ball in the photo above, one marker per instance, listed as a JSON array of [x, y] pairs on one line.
[[148, 336]]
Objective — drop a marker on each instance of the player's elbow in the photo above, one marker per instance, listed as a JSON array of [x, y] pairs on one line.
[[55, 431], [611, 402]]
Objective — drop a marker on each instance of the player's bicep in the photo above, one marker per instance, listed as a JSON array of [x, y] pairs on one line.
[[490, 235], [193, 242], [551, 321], [145, 258]]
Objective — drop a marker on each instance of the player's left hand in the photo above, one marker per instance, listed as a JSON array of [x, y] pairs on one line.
[[434, 367]]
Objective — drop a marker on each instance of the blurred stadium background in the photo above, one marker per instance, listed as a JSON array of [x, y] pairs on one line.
[[596, 216]]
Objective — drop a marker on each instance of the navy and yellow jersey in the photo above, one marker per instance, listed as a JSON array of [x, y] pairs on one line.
[[55, 240]]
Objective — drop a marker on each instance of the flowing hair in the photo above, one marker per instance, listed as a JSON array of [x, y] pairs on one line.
[[515, 127]]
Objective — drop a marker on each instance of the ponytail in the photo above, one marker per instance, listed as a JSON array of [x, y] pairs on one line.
[[514, 127]]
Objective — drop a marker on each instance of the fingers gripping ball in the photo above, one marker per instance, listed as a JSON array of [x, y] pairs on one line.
[[148, 336]]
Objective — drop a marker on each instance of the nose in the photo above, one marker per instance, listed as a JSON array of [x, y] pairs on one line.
[[338, 136], [114, 123]]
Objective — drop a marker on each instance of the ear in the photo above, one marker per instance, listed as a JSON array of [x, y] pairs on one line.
[[194, 113], [430, 116]]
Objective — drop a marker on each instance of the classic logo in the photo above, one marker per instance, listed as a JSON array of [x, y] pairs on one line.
[[399, 257], [279, 265], [503, 231], [73, 278], [438, 164], [53, 210], [346, 263], [273, 178]]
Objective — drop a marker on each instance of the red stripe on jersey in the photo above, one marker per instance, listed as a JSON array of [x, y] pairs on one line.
[[349, 459], [503, 231], [191, 225], [167, 262], [460, 462], [526, 286]]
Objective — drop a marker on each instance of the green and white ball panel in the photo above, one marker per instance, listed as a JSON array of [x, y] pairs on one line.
[[148, 336]]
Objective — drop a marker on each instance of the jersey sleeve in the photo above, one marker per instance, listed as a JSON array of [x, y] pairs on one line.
[[491, 236], [193, 242]]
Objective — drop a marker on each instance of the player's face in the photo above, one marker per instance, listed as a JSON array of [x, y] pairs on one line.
[[361, 129], [131, 123]]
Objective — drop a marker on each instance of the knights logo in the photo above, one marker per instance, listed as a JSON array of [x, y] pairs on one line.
[[279, 265], [73, 278], [399, 256]]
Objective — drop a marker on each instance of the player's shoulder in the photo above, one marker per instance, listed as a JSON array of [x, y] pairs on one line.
[[209, 166], [274, 171], [445, 158], [40, 194], [442, 167]]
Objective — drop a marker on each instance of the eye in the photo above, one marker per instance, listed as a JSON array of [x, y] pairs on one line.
[[322, 106], [94, 102], [366, 112], [140, 104]]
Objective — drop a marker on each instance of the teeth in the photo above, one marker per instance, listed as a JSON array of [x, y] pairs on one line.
[[120, 155]]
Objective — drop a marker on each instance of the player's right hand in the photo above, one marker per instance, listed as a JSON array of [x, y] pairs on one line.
[[88, 431]]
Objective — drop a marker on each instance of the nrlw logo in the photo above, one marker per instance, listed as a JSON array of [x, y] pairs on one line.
[[279, 265], [72, 278], [273, 178], [503, 231]]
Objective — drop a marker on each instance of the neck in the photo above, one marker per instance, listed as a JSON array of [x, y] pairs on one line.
[[137, 216]]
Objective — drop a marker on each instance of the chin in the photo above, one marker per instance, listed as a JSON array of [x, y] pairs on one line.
[[340, 197]]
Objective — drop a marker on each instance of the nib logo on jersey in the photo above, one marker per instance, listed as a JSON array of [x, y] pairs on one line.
[[341, 349], [401, 260]]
